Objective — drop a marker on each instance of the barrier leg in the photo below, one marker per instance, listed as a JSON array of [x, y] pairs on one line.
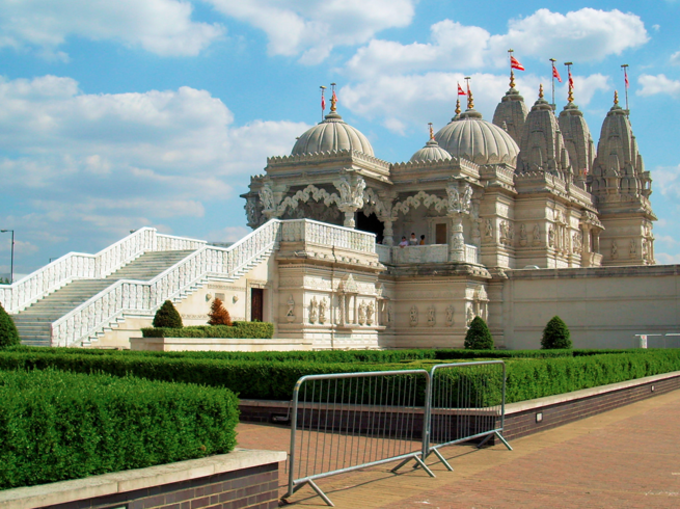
[[479, 446], [500, 437], [320, 493], [441, 458], [425, 467]]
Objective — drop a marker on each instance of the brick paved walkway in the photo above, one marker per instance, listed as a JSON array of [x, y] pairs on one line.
[[625, 458]]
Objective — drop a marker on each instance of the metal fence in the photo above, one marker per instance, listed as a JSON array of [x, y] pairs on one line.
[[346, 421], [342, 422], [467, 402]]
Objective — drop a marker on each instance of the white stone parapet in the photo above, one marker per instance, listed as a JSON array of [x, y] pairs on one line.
[[315, 232], [433, 253], [73, 266]]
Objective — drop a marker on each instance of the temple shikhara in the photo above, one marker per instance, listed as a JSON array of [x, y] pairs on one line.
[[516, 220]]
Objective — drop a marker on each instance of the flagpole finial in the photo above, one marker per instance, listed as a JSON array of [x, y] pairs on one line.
[[570, 98], [431, 131], [334, 99], [470, 99], [512, 79], [616, 97], [458, 110], [540, 91]]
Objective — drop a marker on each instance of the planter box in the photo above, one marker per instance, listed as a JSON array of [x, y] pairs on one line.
[[242, 478], [219, 344]]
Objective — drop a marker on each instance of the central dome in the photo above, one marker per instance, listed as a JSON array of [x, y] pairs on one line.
[[332, 135], [473, 138]]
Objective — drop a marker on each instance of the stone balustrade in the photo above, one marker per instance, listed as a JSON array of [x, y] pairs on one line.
[[144, 297], [431, 253]]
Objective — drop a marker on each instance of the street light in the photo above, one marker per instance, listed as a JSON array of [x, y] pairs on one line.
[[11, 270]]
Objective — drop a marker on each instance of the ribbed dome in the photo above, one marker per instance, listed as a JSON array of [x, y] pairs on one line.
[[472, 138], [331, 135], [431, 152]]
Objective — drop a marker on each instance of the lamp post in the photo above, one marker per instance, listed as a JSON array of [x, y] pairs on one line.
[[11, 270]]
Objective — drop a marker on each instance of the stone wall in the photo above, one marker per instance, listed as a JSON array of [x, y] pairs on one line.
[[604, 307]]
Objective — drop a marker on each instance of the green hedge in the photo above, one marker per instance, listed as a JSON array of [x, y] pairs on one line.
[[57, 425], [274, 379], [248, 330]]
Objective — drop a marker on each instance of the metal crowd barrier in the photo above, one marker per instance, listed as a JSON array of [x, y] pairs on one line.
[[342, 422], [346, 421], [467, 402]]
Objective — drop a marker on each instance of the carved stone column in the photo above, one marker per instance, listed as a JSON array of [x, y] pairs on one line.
[[459, 203], [388, 232], [270, 197], [351, 189]]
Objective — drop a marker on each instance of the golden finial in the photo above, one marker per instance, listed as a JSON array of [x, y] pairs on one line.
[[512, 79], [616, 97], [431, 131], [334, 99], [540, 91], [458, 107]]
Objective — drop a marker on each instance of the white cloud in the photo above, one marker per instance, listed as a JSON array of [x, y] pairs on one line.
[[228, 234], [100, 165], [163, 27], [675, 58], [312, 28], [667, 181], [667, 259], [583, 35], [659, 84]]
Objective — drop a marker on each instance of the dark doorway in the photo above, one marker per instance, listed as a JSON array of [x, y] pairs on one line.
[[370, 224], [440, 233], [256, 305]]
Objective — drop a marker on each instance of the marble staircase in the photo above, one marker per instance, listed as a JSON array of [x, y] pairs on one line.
[[35, 322]]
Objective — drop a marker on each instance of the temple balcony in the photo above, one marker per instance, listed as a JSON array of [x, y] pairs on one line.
[[433, 253]]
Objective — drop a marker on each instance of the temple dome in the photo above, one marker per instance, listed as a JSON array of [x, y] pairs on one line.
[[473, 138], [332, 135], [430, 152]]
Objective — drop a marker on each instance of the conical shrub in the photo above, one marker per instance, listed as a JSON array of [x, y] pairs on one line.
[[168, 316], [556, 335], [9, 336], [218, 314], [478, 336]]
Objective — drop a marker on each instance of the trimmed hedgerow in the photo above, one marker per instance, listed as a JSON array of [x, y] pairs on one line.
[[247, 330], [9, 336], [57, 425], [528, 378]]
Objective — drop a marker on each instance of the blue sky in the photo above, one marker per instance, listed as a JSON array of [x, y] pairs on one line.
[[117, 115]]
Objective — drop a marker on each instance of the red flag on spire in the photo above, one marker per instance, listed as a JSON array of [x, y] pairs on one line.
[[335, 97], [323, 103], [571, 81], [461, 91], [514, 64], [556, 74], [625, 73]]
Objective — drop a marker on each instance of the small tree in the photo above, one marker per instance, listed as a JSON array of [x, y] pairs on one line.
[[478, 336], [167, 316], [555, 334], [218, 314], [9, 336]]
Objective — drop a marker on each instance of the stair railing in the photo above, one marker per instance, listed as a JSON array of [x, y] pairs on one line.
[[145, 297], [72, 266]]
